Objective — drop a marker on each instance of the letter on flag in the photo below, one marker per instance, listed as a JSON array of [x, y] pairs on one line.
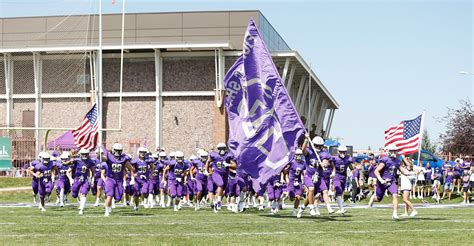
[[264, 126], [86, 135]]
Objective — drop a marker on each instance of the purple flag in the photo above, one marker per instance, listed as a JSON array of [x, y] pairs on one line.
[[264, 126]]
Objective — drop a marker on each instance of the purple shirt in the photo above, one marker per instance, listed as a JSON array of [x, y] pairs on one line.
[[449, 177], [390, 168], [218, 162], [436, 175], [356, 174], [325, 174], [372, 168], [33, 165], [428, 173]]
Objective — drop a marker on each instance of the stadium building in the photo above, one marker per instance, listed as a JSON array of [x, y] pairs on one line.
[[173, 70]]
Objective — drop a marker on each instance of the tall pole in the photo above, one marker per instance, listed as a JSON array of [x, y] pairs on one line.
[[99, 76], [421, 135], [121, 64]]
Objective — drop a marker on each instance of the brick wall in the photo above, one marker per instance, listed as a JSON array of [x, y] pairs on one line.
[[138, 121], [187, 123], [189, 74], [138, 75]]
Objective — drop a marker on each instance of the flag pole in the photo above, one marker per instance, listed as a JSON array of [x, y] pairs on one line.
[[99, 76], [421, 135]]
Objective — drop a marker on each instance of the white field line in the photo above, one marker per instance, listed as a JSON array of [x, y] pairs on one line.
[[220, 234]]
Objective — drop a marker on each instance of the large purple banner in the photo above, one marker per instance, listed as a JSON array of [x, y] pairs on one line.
[[264, 126]]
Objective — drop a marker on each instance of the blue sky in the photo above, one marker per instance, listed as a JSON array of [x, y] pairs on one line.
[[384, 61]]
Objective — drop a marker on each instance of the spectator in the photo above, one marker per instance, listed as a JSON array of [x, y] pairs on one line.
[[420, 179], [448, 183], [465, 186], [436, 177], [356, 184], [406, 187], [428, 183]]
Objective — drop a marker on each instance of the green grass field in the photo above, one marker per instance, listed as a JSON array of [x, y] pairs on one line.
[[360, 226], [163, 226]]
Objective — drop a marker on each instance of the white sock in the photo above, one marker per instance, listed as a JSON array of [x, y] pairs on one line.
[[97, 199], [340, 202], [61, 195], [241, 196], [82, 203], [328, 206], [311, 206], [219, 198]]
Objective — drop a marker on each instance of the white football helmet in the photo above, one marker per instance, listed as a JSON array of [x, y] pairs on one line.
[[221, 146], [65, 155], [319, 141], [192, 157], [117, 149], [142, 151]]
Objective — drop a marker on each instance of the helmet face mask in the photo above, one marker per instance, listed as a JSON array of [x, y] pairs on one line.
[[117, 149], [342, 154]]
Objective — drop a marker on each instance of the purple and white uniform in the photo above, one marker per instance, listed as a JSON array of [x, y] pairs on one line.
[[341, 166], [295, 185], [236, 183], [201, 177], [176, 178], [80, 171], [274, 188], [324, 179], [115, 173], [371, 170], [34, 180], [311, 176], [219, 170], [98, 182], [45, 183], [156, 176], [63, 180], [388, 173], [142, 171]]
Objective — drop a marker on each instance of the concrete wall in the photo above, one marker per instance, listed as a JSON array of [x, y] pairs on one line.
[[140, 28]]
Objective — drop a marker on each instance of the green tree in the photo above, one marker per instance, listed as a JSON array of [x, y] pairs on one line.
[[459, 133], [426, 143]]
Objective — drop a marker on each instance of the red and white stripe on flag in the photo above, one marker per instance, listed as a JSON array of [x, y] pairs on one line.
[[406, 136], [86, 135]]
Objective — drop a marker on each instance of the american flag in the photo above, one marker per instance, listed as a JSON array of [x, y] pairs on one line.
[[406, 136], [86, 135]]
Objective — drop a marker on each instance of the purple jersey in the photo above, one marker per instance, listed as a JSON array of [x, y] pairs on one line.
[[142, 167], [296, 170], [446, 165], [116, 166], [33, 165], [457, 170], [46, 170], [341, 165], [325, 174], [436, 175], [81, 168], [218, 162], [389, 171], [62, 171], [177, 170], [98, 167], [200, 169], [158, 169], [312, 160]]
